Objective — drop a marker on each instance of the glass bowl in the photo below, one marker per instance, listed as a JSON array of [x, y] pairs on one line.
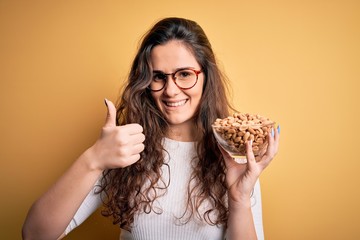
[[234, 131]]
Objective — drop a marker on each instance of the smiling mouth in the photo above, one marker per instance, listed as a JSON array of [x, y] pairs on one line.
[[175, 104]]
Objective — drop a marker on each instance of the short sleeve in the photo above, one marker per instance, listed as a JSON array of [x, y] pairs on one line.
[[91, 202], [256, 208]]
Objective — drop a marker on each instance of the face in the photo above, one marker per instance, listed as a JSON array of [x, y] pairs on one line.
[[178, 106]]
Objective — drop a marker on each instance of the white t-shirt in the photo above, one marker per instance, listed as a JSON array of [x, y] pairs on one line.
[[165, 223]]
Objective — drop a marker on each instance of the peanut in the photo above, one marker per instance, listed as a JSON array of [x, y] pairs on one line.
[[239, 128]]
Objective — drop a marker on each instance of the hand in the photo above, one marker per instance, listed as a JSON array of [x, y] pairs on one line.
[[241, 178], [117, 146]]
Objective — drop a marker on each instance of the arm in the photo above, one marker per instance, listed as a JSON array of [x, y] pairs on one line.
[[254, 216], [49, 215], [240, 221], [117, 147], [241, 180]]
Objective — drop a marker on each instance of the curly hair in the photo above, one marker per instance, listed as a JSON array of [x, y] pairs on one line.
[[131, 189]]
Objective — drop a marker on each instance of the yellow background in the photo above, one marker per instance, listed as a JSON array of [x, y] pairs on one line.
[[296, 62]]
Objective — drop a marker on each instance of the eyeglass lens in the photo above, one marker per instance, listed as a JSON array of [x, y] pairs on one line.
[[184, 78]]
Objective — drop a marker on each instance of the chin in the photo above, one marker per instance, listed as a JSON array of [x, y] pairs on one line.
[[178, 121]]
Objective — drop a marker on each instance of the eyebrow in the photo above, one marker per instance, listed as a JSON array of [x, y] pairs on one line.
[[176, 69]]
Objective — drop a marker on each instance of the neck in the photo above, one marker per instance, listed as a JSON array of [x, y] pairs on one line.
[[183, 133]]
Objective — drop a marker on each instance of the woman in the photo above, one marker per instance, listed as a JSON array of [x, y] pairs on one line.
[[156, 165]]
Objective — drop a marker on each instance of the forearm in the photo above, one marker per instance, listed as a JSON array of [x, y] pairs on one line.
[[240, 222], [52, 212]]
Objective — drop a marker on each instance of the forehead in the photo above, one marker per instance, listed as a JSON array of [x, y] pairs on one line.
[[171, 56]]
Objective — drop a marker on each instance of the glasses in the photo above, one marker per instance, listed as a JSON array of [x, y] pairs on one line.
[[185, 79]]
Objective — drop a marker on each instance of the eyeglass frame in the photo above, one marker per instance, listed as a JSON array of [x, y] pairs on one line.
[[197, 72]]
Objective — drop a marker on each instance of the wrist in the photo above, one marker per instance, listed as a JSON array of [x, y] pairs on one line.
[[240, 203], [89, 160]]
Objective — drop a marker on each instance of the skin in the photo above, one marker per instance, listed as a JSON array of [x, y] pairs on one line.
[[120, 146], [168, 58]]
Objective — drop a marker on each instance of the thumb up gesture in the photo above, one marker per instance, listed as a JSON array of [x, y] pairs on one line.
[[117, 146]]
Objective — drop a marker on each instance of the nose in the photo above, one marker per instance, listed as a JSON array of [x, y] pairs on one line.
[[171, 89]]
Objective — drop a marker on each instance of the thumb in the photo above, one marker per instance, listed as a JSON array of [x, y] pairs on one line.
[[111, 114]]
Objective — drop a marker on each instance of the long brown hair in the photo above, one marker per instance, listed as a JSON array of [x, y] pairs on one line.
[[128, 190]]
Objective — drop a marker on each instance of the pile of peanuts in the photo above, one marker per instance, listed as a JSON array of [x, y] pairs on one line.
[[241, 127]]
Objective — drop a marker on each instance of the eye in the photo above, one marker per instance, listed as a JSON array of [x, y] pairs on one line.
[[183, 74], [159, 77]]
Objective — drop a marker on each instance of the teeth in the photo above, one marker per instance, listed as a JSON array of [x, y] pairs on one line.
[[176, 104]]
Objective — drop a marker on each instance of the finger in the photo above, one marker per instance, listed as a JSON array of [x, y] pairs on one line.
[[133, 159], [133, 128], [277, 138], [229, 161], [262, 152], [270, 151], [249, 152], [137, 148], [111, 114], [135, 153], [136, 138]]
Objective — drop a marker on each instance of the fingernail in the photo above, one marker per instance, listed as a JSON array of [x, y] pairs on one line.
[[251, 142], [278, 128], [105, 101], [272, 132]]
